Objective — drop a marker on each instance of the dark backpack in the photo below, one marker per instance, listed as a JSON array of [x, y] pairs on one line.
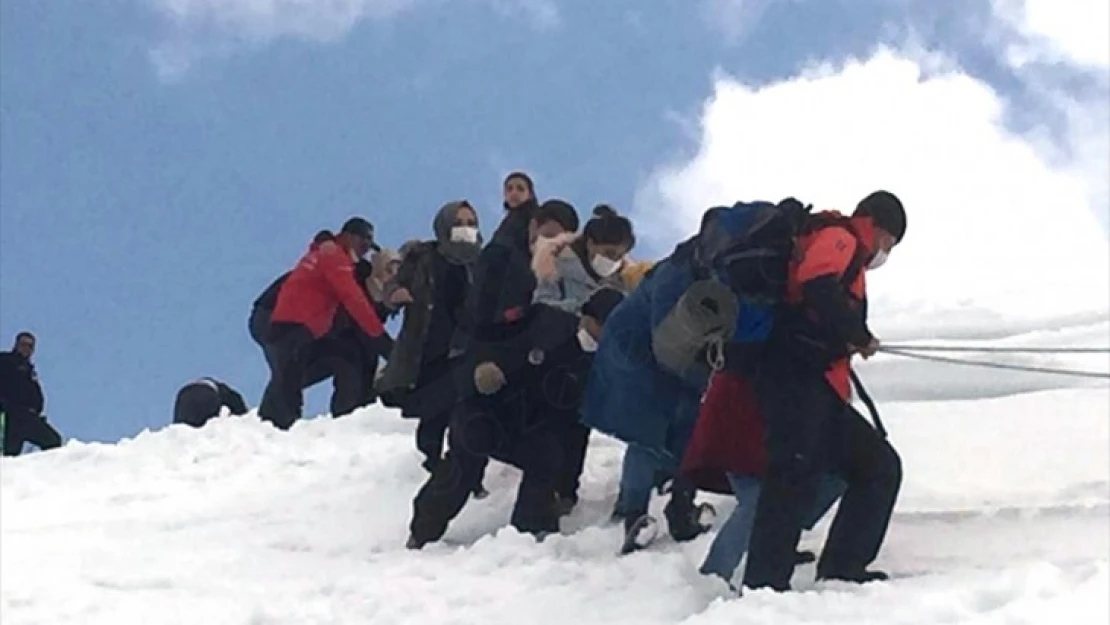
[[750, 246]]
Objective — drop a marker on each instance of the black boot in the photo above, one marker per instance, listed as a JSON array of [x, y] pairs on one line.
[[856, 577]]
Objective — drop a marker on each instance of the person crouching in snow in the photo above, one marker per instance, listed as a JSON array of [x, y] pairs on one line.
[[571, 268], [509, 336], [523, 425], [201, 400], [802, 390], [305, 311]]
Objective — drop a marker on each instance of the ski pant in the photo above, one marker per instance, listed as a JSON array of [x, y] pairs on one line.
[[810, 431], [732, 540], [477, 433], [196, 404], [24, 426]]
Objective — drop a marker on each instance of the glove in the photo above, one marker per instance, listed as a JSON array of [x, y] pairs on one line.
[[488, 378]]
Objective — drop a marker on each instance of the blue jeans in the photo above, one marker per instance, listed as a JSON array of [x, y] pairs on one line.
[[640, 472], [732, 540]]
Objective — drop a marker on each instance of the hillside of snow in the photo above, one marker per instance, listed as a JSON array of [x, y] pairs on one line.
[[1004, 517]]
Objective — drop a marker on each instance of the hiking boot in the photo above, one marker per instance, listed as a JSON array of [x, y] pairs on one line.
[[414, 543], [856, 577]]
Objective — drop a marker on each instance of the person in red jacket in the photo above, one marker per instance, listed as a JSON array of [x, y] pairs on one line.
[[802, 390], [305, 309]]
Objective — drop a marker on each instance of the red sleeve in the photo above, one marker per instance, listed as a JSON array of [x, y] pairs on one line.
[[829, 253], [339, 272]]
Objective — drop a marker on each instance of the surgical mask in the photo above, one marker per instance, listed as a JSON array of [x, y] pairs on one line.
[[604, 266], [464, 234], [588, 343], [879, 259]]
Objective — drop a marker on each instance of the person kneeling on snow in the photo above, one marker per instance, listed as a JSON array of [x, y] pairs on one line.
[[522, 422], [201, 400]]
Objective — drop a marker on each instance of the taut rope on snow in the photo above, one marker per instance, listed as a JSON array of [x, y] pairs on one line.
[[998, 350], [915, 352]]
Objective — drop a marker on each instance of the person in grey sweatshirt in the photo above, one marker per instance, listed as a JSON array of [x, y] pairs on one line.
[[570, 269]]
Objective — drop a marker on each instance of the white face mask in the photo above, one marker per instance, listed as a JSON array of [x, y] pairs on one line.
[[586, 341], [464, 234], [878, 260], [604, 267]]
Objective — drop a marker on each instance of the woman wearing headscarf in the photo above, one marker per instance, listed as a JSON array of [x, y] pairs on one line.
[[436, 277]]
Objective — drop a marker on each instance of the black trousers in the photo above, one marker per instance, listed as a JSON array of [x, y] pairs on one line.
[[811, 430], [479, 431], [195, 404], [575, 440], [283, 400], [23, 426]]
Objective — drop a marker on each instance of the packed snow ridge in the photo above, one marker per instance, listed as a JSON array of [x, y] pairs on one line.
[[1004, 517]]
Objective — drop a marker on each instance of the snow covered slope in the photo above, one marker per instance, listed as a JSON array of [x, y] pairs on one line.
[[1004, 518]]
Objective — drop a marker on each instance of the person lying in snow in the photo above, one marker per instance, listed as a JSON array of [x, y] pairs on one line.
[[522, 423], [200, 401]]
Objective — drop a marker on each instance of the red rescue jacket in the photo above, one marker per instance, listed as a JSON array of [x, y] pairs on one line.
[[322, 280], [829, 251]]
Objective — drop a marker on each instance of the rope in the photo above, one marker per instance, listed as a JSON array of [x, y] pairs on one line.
[[899, 351], [999, 350]]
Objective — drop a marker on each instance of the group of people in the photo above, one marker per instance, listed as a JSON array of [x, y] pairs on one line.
[[725, 367]]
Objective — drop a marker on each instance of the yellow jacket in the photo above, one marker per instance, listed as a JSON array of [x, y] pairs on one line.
[[633, 271]]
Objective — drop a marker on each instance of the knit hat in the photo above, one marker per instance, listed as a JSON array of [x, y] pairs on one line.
[[886, 211]]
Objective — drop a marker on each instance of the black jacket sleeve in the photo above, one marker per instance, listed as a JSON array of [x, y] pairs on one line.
[[232, 399], [844, 324]]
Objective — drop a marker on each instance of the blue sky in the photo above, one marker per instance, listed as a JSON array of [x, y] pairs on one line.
[[157, 174]]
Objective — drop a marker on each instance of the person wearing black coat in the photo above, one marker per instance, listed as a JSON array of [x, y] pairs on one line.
[[436, 278], [22, 400], [201, 400], [504, 410]]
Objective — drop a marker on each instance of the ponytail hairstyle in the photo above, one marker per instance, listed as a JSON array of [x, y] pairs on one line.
[[609, 228]]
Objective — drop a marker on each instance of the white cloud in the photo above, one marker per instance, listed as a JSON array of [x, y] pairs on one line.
[[998, 232], [202, 28], [1074, 31]]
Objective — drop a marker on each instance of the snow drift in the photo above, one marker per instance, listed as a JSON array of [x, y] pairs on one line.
[[1004, 517]]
